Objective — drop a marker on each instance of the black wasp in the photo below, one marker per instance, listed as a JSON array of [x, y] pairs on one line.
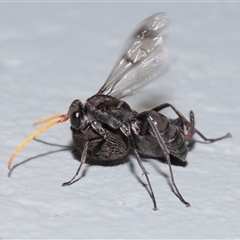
[[105, 128]]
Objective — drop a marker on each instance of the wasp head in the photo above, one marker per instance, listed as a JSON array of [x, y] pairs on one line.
[[76, 114]]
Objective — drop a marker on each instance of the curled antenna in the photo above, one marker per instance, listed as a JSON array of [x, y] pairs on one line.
[[61, 118]]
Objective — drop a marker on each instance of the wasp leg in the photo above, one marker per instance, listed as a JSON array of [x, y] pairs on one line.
[[146, 175], [128, 132], [167, 157], [191, 128], [83, 159], [188, 124]]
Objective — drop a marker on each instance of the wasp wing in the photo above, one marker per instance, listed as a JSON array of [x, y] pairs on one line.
[[143, 58]]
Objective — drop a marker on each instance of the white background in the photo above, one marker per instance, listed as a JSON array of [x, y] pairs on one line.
[[53, 53]]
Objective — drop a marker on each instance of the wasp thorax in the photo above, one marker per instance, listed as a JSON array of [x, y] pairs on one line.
[[75, 113]]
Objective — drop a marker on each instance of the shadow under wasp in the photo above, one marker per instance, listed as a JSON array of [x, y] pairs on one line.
[[105, 128]]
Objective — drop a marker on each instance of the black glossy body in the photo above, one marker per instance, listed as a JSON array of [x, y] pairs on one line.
[[114, 116]]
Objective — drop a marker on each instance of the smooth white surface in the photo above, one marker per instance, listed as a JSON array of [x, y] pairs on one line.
[[53, 53]]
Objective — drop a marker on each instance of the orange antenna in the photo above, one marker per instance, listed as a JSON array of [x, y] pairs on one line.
[[61, 118]]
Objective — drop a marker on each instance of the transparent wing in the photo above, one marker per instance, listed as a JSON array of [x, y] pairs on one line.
[[143, 58]]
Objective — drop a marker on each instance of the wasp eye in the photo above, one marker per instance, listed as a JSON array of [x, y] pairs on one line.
[[75, 120]]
